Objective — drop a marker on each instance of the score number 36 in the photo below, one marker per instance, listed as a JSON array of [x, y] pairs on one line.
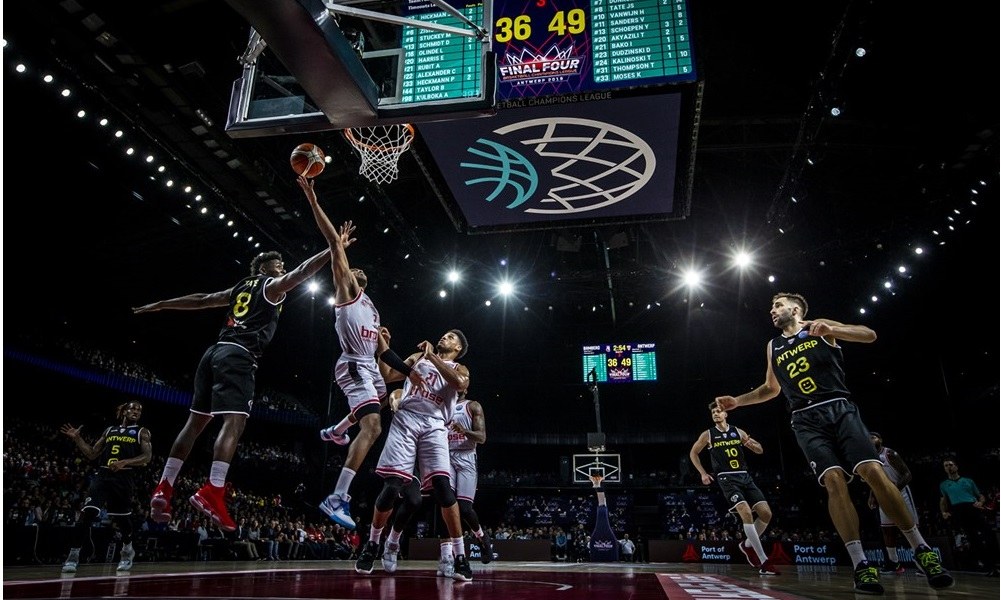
[[520, 28]]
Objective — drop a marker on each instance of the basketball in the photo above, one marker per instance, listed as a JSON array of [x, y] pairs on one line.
[[308, 160]]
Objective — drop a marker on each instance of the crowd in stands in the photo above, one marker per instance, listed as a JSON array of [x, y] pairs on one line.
[[45, 479]]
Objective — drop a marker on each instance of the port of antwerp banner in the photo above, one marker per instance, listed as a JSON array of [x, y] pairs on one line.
[[780, 553]]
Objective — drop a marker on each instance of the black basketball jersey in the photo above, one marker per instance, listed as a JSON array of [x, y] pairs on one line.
[[120, 442], [252, 320], [726, 450], [809, 369]]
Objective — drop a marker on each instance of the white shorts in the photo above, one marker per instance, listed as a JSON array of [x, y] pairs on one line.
[[463, 472], [886, 521], [415, 438], [360, 380]]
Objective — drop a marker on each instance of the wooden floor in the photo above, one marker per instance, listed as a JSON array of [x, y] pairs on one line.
[[336, 580]]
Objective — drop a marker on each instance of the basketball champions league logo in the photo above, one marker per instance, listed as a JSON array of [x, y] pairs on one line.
[[591, 164]]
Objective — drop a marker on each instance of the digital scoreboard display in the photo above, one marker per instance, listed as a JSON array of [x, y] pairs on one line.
[[619, 363], [440, 67], [554, 47]]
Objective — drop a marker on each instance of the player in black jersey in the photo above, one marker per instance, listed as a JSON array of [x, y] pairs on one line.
[[120, 449], [224, 380], [805, 363], [726, 450]]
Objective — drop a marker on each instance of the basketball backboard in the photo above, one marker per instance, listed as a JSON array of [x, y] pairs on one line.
[[609, 466], [313, 65]]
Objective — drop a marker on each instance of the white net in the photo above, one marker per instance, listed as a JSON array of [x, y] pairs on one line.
[[380, 148]]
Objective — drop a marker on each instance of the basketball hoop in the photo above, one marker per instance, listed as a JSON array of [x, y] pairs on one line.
[[596, 479], [380, 148]]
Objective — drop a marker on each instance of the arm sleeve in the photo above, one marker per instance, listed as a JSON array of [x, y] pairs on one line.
[[393, 360]]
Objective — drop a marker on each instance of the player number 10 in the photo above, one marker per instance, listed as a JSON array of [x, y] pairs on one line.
[[520, 28]]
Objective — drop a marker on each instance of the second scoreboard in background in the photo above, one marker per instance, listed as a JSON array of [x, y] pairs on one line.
[[555, 47]]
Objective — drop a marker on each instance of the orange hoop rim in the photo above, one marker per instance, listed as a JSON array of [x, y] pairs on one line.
[[376, 148]]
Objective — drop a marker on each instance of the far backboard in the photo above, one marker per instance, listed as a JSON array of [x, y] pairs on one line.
[[609, 466]]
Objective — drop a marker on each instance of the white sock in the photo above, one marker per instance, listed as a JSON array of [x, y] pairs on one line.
[[752, 537], [217, 476], [914, 537], [891, 553], [171, 469], [760, 526], [458, 548], [394, 537], [344, 482], [446, 551], [375, 534], [343, 426], [854, 548]]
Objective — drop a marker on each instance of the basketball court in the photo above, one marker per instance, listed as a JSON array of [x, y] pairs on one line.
[[416, 579]]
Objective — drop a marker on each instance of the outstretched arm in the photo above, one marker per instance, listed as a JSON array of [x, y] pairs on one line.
[[196, 301], [73, 433], [344, 281], [285, 283], [763, 393]]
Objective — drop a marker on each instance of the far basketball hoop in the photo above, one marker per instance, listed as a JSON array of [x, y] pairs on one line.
[[380, 148]]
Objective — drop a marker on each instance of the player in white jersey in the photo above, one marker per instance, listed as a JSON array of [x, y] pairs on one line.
[[418, 436], [356, 371], [898, 472], [467, 430]]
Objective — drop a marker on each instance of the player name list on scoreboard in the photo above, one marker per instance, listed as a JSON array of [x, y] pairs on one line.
[[441, 65], [636, 39]]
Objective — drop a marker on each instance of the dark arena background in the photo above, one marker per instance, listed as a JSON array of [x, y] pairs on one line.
[[582, 179]]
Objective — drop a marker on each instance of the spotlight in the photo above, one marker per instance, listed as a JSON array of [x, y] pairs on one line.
[[835, 111], [860, 52]]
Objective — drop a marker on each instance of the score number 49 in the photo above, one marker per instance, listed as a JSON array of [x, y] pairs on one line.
[[520, 28]]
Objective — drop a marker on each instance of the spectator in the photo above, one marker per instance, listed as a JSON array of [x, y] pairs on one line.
[[963, 506], [628, 548]]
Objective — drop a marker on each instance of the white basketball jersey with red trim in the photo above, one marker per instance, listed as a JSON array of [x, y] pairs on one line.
[[357, 326], [436, 399], [456, 440]]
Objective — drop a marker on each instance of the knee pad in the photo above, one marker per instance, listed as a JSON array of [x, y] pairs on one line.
[[391, 489], [466, 511], [412, 494], [443, 491]]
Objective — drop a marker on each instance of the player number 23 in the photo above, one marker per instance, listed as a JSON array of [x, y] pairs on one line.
[[797, 367]]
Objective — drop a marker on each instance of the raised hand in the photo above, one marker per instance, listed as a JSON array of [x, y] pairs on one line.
[[346, 230], [71, 432]]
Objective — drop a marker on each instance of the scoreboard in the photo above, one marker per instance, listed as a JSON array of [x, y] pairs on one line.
[[545, 48], [441, 67], [554, 47], [620, 363]]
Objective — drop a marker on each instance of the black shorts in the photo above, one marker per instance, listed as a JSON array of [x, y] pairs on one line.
[[739, 487], [224, 381], [112, 492], [833, 436]]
